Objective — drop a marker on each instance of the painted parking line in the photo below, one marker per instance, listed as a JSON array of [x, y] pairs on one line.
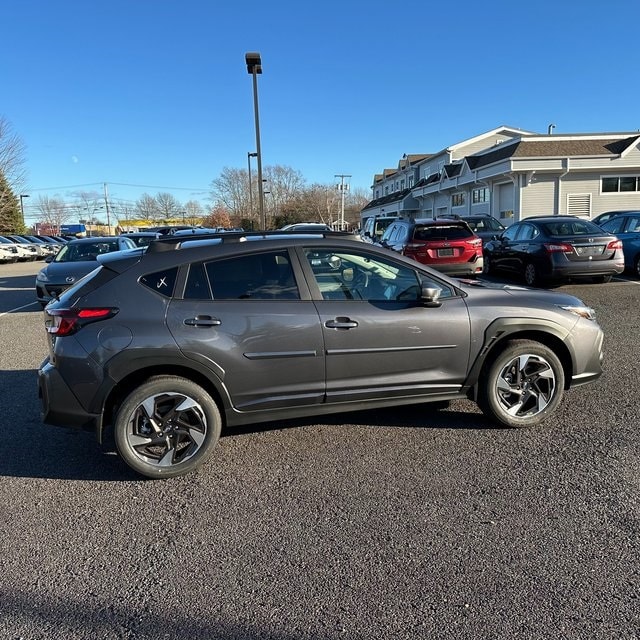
[[24, 306]]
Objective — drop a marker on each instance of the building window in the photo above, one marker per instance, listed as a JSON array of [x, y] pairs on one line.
[[480, 195], [410, 182], [620, 184], [457, 199], [401, 184], [386, 191], [377, 193]]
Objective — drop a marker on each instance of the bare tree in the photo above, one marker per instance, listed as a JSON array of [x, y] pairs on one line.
[[283, 184], [231, 190], [12, 157], [167, 206], [53, 213], [88, 204], [193, 212], [147, 208]]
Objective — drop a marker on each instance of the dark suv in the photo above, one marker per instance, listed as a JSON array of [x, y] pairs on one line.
[[166, 345]]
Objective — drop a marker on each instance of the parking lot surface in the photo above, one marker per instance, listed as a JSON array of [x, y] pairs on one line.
[[403, 523]]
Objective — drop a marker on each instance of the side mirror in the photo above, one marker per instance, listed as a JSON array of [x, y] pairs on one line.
[[430, 296]]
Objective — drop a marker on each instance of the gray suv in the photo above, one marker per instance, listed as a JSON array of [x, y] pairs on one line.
[[166, 345]]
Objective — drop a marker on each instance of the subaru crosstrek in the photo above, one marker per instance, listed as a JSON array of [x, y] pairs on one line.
[[166, 345]]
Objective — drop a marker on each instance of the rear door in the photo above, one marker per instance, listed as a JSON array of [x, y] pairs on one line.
[[246, 320]]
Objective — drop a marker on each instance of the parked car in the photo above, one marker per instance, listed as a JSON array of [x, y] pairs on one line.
[[302, 227], [607, 215], [626, 227], [142, 238], [46, 248], [9, 251], [165, 346], [485, 226], [374, 227], [447, 245], [553, 249], [73, 261], [26, 250]]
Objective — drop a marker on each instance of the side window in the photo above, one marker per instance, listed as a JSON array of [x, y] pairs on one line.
[[615, 225], [511, 232], [162, 282], [347, 275], [259, 276], [633, 226], [197, 287], [527, 232]]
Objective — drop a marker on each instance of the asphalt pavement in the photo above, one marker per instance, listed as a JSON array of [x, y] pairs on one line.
[[401, 524]]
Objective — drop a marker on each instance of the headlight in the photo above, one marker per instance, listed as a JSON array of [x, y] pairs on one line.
[[583, 312], [42, 276]]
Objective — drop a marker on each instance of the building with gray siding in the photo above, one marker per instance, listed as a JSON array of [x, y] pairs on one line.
[[513, 174]]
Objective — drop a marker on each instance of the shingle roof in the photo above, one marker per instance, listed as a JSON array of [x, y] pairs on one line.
[[396, 196], [550, 148]]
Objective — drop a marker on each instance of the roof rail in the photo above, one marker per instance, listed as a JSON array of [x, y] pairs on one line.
[[173, 242]]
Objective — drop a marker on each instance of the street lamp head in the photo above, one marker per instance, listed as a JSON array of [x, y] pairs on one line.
[[252, 155], [254, 63]]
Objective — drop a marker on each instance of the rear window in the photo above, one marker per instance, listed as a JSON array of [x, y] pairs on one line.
[[441, 232], [572, 228]]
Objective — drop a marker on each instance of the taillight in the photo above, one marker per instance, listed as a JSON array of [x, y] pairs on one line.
[[559, 247], [614, 245], [64, 322], [412, 246]]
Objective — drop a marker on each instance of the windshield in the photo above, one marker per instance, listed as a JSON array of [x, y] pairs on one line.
[[86, 251]]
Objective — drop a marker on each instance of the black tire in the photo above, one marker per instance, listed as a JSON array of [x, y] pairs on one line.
[[167, 427], [487, 265], [603, 279], [636, 267], [522, 385], [531, 275]]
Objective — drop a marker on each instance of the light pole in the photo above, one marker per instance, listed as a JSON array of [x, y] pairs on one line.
[[254, 67], [22, 197], [249, 156], [342, 187]]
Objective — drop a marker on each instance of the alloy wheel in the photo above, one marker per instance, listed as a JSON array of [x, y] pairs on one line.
[[166, 429], [526, 385]]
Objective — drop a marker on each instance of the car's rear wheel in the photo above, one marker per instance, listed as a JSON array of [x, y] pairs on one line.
[[531, 275], [636, 266], [603, 279], [167, 427], [523, 385]]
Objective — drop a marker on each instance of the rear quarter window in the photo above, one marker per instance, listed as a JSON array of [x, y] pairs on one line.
[[162, 282]]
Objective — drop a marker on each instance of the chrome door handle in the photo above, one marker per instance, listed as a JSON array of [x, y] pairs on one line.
[[202, 321], [341, 323]]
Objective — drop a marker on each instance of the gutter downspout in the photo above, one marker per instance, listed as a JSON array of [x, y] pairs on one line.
[[562, 175]]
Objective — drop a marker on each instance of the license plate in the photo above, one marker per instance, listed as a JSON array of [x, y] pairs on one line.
[[590, 251], [445, 253]]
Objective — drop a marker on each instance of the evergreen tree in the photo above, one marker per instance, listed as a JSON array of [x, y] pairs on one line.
[[10, 215]]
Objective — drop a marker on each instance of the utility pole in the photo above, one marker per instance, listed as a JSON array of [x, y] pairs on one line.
[[106, 205], [342, 187]]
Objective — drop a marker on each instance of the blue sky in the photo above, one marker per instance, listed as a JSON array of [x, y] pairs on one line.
[[155, 94]]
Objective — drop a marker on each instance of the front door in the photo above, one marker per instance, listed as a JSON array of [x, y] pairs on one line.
[[380, 340]]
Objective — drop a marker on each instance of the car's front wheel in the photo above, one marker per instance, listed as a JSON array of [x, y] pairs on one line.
[[487, 265], [523, 385], [167, 427]]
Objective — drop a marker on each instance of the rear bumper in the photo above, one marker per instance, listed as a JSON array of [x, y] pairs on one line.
[[562, 268], [66, 411]]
